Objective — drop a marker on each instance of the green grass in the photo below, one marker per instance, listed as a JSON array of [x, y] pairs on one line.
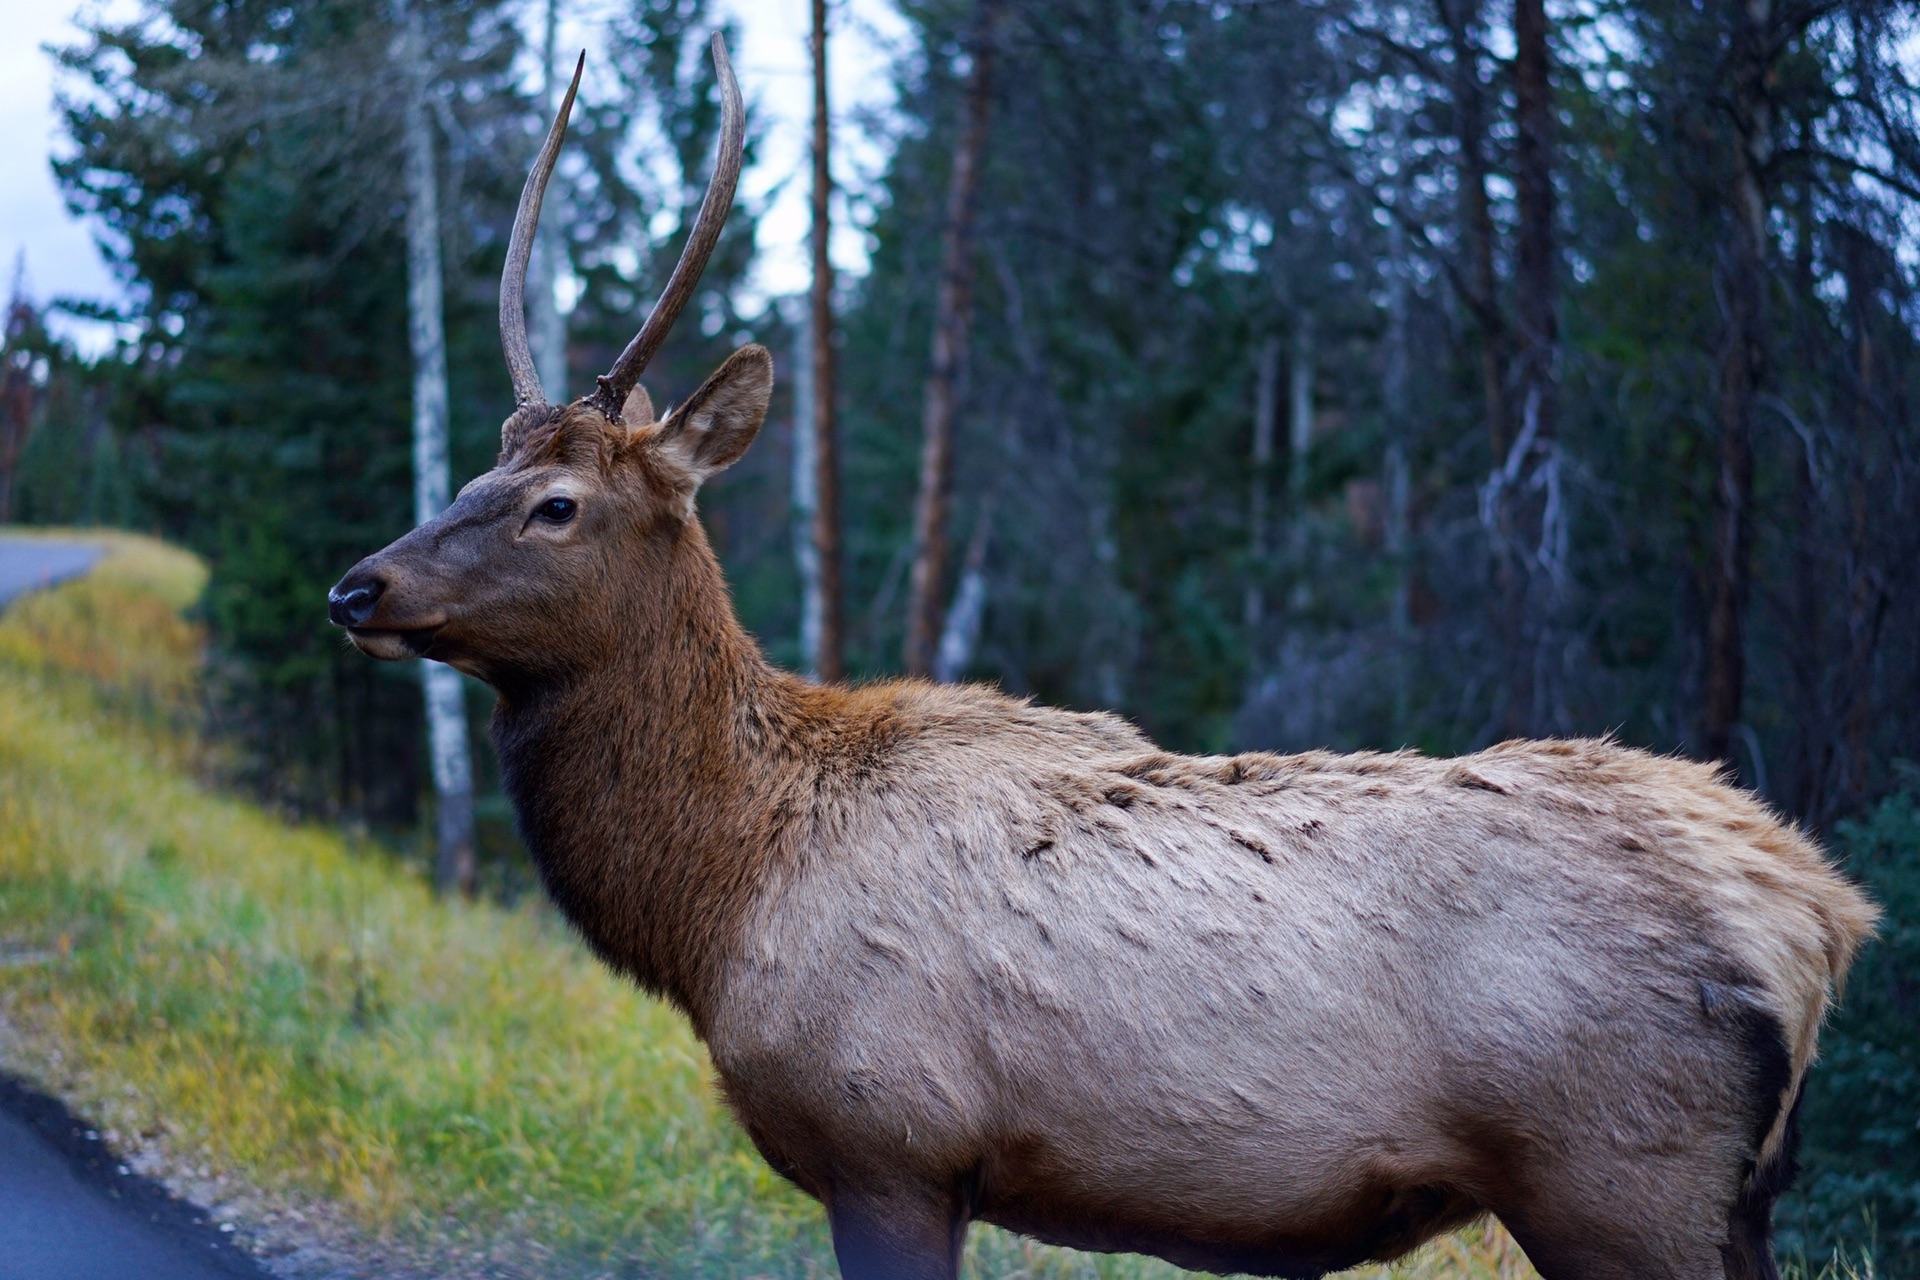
[[291, 1026], [267, 1002]]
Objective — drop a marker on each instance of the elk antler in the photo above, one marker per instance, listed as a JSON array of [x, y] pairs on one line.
[[714, 208], [513, 278]]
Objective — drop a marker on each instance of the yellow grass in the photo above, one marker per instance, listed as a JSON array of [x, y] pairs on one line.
[[267, 1002], [289, 1024]]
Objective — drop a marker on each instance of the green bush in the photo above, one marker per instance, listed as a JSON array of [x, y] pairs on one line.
[[1860, 1181]]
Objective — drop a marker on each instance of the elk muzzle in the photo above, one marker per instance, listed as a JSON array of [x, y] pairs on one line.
[[352, 606], [362, 603]]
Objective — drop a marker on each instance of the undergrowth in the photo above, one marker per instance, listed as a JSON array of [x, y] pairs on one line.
[[1860, 1166], [290, 1023]]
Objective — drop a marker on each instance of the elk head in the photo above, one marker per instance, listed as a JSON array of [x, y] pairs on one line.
[[518, 578]]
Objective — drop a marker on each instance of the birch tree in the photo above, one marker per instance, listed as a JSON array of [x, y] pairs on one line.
[[1540, 525], [804, 496], [546, 327], [822, 608], [453, 860], [1477, 282], [953, 318], [1300, 409], [1266, 410], [1740, 285], [960, 632]]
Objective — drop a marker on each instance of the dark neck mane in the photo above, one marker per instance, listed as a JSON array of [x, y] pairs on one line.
[[657, 790]]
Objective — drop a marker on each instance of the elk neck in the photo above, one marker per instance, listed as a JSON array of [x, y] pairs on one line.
[[657, 788]]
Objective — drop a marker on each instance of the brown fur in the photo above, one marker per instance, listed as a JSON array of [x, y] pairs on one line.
[[960, 956]]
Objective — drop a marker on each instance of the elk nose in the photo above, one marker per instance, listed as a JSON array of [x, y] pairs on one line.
[[350, 604]]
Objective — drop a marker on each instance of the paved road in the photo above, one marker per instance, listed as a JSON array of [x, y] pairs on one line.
[[27, 564], [67, 1212]]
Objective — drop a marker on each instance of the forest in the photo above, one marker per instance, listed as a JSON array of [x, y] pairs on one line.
[[1280, 374]]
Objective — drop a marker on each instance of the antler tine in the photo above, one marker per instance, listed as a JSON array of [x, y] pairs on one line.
[[513, 278], [617, 382]]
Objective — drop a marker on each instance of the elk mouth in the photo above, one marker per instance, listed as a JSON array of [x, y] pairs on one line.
[[394, 645]]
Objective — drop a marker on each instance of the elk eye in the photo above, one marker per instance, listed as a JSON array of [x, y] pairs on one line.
[[557, 510]]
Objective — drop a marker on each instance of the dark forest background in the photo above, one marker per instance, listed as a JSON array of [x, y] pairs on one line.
[[1340, 374]]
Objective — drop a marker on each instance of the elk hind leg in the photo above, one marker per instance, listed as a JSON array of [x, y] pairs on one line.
[[1596, 1216], [1565, 1247]]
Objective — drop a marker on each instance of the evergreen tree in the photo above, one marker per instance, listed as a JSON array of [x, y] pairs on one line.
[[245, 165]]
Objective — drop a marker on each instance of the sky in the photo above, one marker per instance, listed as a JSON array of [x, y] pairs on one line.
[[60, 256], [771, 63]]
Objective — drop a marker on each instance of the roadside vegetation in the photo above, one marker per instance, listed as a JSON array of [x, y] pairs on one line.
[[459, 1085], [284, 1023]]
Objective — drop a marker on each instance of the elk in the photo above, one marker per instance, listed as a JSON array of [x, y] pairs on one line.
[[959, 957]]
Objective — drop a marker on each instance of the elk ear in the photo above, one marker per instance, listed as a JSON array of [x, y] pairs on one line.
[[638, 410], [714, 427]]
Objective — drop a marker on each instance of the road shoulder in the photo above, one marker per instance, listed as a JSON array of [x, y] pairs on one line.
[[70, 1208]]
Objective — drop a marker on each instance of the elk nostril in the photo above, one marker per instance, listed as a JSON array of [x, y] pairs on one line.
[[352, 607]]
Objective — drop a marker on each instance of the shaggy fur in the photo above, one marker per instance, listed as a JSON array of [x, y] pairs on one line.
[[957, 956]]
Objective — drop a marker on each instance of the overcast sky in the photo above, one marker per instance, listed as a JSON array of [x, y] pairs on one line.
[[771, 62]]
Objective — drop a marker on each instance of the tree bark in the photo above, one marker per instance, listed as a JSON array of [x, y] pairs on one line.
[[953, 315], [16, 386], [1397, 484], [1534, 294], [1300, 410], [1476, 221], [1866, 590], [547, 328], [806, 498], [453, 863], [1740, 368], [823, 608], [1813, 740], [960, 634], [1266, 409], [16, 418], [1527, 550], [1866, 595]]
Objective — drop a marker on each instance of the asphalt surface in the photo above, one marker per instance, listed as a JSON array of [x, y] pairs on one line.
[[27, 564], [68, 1209]]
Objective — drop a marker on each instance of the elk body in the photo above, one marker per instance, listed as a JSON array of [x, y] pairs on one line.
[[959, 957]]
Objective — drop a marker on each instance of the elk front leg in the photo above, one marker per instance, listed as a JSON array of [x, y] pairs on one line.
[[896, 1235]]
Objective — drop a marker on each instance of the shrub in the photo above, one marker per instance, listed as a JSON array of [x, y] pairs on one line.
[[1860, 1181]]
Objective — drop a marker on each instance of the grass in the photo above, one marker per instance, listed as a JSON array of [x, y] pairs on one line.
[[269, 1004], [290, 1027]]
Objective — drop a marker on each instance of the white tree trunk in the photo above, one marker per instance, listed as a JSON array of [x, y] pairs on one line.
[[960, 633], [1299, 444], [824, 605], [1300, 407], [1399, 425], [952, 329], [1266, 408], [806, 500], [546, 327], [453, 864]]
